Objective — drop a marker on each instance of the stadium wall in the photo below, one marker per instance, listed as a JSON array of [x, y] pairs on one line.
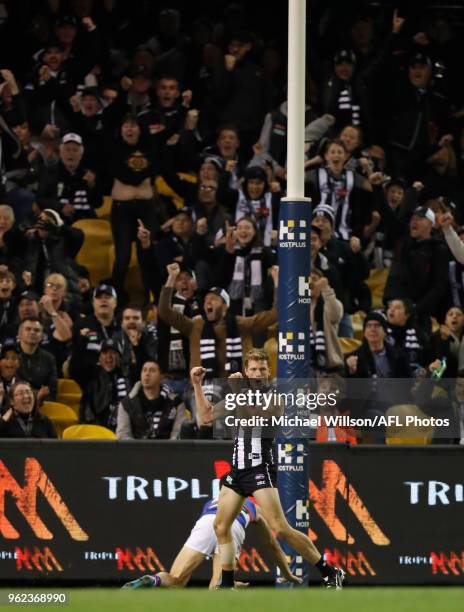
[[79, 511]]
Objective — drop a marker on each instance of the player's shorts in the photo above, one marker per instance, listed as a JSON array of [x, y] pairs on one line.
[[202, 538], [246, 482]]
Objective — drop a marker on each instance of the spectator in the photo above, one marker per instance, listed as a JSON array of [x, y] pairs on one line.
[[7, 305], [89, 333], [136, 342], [413, 133], [51, 247], [402, 332], [132, 168], [239, 89], [70, 188], [209, 214], [22, 418], [376, 358], [9, 366], [12, 243], [326, 313], [38, 367], [446, 342], [242, 267], [254, 199], [217, 341], [419, 269], [343, 190], [107, 387], [350, 262], [28, 306], [55, 319], [174, 353], [150, 411], [186, 246]]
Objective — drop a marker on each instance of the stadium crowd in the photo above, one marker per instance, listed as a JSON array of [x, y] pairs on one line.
[[171, 124]]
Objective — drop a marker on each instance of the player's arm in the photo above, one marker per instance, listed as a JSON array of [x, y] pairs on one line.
[[270, 543], [204, 408]]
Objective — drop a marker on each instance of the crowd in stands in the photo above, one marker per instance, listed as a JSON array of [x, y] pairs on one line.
[[172, 124]]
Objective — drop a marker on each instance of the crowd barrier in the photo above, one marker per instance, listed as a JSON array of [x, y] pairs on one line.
[[109, 511]]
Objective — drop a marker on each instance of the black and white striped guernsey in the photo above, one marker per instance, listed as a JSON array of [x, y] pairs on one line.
[[251, 450]]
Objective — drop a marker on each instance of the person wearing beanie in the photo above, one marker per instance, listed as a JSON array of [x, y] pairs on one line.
[[419, 271], [350, 262], [255, 200]]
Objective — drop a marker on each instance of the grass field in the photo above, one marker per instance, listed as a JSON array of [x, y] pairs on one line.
[[264, 600]]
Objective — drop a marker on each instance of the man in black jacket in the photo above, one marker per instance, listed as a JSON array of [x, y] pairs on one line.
[[69, 187], [137, 342], [38, 367], [107, 388], [91, 331], [52, 247], [150, 411], [419, 270]]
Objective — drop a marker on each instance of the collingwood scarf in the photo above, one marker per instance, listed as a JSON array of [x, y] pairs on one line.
[[177, 361], [407, 338], [259, 210], [336, 193], [208, 348], [456, 280], [317, 338], [348, 111], [119, 392], [247, 279]]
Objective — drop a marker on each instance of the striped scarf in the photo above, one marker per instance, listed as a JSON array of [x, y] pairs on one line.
[[335, 192], [119, 393], [234, 351], [247, 279], [407, 338], [317, 338], [346, 107]]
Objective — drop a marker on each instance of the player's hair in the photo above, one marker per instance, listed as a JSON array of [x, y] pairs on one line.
[[256, 354]]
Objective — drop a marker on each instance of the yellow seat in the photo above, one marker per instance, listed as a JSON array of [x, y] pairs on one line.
[[376, 283], [62, 416], [94, 253], [88, 432], [104, 211], [349, 344], [165, 190], [357, 321], [407, 434], [69, 393], [133, 283]]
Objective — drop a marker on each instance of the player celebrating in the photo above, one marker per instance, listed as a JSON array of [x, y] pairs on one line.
[[254, 473], [202, 543]]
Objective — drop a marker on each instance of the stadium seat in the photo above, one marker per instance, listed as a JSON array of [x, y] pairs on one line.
[[349, 344], [407, 434], [62, 416], [133, 283], [357, 321], [94, 253], [88, 432], [69, 393], [376, 283], [104, 211], [165, 190]]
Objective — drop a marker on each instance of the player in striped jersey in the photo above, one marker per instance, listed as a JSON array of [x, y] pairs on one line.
[[254, 473], [202, 544]]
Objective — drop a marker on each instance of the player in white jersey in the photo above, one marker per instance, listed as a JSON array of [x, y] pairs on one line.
[[254, 473], [202, 544]]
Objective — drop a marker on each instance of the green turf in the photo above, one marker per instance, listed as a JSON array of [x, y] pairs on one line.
[[265, 600]]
